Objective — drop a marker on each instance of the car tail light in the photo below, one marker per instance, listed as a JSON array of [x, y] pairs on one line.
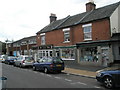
[[51, 65], [23, 61]]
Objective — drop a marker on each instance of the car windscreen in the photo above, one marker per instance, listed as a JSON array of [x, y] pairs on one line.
[[57, 60]]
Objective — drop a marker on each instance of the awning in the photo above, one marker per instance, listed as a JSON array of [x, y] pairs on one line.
[[96, 43]]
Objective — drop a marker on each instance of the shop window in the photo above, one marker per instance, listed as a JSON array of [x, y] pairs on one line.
[[89, 54], [68, 54], [87, 29], [66, 34]]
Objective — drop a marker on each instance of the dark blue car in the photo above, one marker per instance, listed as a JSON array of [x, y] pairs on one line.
[[110, 77], [10, 60], [49, 64]]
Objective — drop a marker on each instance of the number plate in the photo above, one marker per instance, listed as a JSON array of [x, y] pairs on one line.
[[58, 65]]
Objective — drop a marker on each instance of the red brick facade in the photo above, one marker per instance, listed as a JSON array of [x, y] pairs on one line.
[[100, 31]]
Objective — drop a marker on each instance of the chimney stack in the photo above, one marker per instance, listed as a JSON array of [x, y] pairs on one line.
[[53, 17], [90, 6]]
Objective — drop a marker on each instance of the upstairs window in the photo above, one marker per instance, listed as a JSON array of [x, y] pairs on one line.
[[66, 34], [87, 29], [42, 39]]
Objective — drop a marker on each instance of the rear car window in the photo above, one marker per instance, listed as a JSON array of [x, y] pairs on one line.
[[29, 58], [57, 60]]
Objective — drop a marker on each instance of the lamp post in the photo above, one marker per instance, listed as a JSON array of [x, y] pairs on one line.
[[6, 41]]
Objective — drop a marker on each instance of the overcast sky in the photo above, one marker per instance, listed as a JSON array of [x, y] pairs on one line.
[[24, 18]]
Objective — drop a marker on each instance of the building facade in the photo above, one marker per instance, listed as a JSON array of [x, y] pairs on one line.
[[2, 48], [85, 38], [22, 46]]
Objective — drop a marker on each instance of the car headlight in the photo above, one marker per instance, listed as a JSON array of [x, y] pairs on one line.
[[99, 74]]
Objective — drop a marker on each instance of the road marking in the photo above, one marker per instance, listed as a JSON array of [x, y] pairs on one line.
[[57, 77], [68, 80], [42, 73], [81, 83], [35, 72], [97, 87], [48, 75]]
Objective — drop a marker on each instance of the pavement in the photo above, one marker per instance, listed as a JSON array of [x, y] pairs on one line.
[[82, 70]]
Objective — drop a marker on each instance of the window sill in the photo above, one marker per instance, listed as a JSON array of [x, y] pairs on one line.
[[87, 39], [66, 42]]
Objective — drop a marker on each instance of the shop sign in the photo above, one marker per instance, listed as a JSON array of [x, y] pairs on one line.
[[46, 47]]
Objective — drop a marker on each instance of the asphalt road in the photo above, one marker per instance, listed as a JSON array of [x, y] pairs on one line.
[[27, 78]]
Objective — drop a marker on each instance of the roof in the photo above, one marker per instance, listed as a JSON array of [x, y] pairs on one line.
[[25, 39], [53, 25], [97, 14]]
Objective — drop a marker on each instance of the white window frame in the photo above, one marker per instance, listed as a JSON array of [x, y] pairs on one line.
[[42, 38], [66, 33], [86, 32]]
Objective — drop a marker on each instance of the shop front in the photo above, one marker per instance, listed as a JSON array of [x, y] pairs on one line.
[[45, 50], [66, 52], [95, 53]]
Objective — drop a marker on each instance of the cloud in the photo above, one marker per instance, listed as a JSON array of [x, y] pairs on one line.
[[22, 18]]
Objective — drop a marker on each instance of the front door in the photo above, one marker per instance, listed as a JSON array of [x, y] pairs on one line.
[[105, 58]]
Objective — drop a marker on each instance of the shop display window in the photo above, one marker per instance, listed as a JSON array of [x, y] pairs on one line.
[[68, 54], [89, 54]]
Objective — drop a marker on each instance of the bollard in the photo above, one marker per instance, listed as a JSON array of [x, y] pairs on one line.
[[3, 83]]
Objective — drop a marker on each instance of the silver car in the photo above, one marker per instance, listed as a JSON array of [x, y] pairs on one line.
[[23, 61]]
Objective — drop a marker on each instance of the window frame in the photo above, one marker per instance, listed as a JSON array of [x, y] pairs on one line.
[[66, 35], [42, 38], [87, 30]]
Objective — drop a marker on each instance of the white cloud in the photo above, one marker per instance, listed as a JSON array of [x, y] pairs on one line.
[[22, 18]]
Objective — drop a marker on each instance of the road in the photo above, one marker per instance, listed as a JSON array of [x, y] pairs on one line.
[[27, 78]]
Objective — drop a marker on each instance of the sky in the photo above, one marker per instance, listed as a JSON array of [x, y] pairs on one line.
[[24, 18]]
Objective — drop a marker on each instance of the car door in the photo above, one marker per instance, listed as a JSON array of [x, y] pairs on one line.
[[16, 62], [19, 60], [42, 63]]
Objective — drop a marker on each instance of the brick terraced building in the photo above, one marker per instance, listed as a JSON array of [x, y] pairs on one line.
[[89, 38]]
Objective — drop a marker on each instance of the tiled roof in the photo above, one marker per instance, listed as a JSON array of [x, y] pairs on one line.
[[97, 14], [53, 25], [25, 39]]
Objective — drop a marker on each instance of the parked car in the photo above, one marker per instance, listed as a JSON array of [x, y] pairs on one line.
[[2, 58], [49, 64], [23, 61], [10, 60], [109, 77]]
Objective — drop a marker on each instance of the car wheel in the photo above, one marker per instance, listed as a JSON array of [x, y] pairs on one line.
[[20, 65], [59, 71], [34, 68], [46, 70], [108, 82]]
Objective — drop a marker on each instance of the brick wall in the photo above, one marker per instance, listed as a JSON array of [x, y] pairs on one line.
[[100, 31]]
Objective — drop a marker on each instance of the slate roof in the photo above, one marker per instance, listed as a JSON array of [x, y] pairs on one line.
[[25, 39], [97, 14], [53, 25]]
